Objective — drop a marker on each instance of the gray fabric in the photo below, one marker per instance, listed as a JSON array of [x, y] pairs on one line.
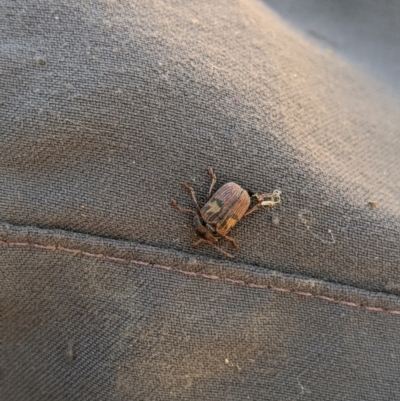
[[364, 32], [84, 326], [105, 108]]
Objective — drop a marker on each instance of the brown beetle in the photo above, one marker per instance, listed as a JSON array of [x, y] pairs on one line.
[[223, 211]]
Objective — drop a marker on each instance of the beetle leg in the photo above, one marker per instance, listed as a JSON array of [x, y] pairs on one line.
[[203, 241], [269, 200], [231, 240], [181, 209], [213, 181], [261, 197], [192, 194], [253, 209]]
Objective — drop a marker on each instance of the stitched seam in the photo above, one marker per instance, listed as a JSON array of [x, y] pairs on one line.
[[201, 275]]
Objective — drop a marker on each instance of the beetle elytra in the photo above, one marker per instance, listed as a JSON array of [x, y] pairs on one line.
[[223, 211]]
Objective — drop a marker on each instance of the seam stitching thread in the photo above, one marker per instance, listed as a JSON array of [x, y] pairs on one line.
[[202, 275]]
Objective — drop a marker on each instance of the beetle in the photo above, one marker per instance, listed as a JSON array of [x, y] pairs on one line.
[[223, 211]]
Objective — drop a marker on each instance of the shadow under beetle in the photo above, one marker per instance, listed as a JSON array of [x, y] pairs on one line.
[[223, 211]]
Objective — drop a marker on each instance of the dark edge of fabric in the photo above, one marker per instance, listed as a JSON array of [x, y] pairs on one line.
[[230, 272]]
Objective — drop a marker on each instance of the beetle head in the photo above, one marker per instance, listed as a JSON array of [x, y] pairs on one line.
[[202, 230]]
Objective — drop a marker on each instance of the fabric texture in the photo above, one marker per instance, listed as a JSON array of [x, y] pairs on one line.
[[363, 32], [105, 108]]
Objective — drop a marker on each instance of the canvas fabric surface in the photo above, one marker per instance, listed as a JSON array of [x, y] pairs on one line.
[[105, 108]]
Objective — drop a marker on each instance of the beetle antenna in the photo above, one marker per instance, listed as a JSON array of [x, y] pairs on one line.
[[204, 241]]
